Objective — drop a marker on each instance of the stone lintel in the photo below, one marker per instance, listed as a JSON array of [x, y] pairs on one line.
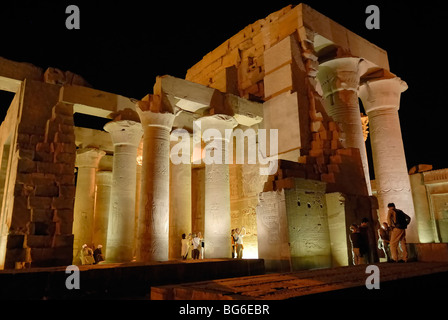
[[196, 98], [94, 102]]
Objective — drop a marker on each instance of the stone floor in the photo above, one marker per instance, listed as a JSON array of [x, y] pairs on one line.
[[119, 281], [425, 279]]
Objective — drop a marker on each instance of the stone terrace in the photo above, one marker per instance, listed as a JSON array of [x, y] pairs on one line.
[[402, 279]]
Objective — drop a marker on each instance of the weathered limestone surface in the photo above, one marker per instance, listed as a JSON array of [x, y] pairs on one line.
[[296, 71], [272, 229], [38, 207], [180, 193], [282, 286], [217, 188], [102, 205], [153, 233], [339, 79], [309, 237], [381, 100], [87, 161], [126, 136]]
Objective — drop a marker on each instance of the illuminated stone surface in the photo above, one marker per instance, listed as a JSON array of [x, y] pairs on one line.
[[126, 136], [381, 100], [87, 161], [180, 195], [102, 205], [339, 79], [217, 188], [295, 71], [281, 286], [153, 232]]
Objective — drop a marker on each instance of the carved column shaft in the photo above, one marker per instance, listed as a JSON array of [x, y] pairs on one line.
[[87, 161], [180, 193], [381, 100], [126, 136], [103, 187], [217, 225], [153, 232]]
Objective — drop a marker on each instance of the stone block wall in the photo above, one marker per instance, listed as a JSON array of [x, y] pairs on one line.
[[39, 216], [301, 226]]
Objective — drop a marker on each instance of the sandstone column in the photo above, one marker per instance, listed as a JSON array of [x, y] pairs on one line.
[[103, 186], [153, 224], [87, 161], [217, 189], [339, 79], [381, 101], [126, 136], [180, 191]]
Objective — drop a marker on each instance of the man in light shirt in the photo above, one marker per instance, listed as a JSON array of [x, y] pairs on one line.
[[196, 245], [239, 241]]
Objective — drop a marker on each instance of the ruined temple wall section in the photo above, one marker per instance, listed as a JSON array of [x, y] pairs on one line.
[[39, 217], [8, 168], [245, 50]]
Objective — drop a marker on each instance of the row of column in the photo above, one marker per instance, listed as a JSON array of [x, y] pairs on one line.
[[341, 85], [149, 240]]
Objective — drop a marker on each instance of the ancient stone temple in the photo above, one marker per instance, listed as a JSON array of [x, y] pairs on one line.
[[267, 131]]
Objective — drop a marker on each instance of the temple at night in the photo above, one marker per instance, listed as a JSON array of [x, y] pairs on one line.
[[84, 166]]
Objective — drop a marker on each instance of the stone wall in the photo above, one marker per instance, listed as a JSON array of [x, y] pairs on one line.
[[300, 226], [38, 217]]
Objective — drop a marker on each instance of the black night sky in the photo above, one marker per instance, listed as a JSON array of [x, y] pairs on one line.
[[123, 45]]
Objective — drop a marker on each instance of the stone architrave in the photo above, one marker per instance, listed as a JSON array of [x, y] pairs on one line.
[[180, 192], [102, 205], [339, 79], [381, 101], [87, 161], [217, 217], [126, 136], [153, 220]]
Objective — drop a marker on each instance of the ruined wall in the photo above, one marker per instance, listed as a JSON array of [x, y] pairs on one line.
[[309, 237], [275, 61], [430, 194], [310, 226], [272, 231], [38, 218]]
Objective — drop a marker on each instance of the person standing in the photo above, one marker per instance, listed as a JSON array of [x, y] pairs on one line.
[[364, 231], [239, 242], [384, 240], [232, 239], [184, 247], [358, 245], [398, 221], [98, 254], [196, 245]]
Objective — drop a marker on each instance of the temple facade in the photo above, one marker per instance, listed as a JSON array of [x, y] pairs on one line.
[[295, 91]]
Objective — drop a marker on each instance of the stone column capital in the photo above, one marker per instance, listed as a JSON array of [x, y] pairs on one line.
[[88, 157], [156, 119], [125, 132], [382, 94], [340, 74], [220, 122]]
